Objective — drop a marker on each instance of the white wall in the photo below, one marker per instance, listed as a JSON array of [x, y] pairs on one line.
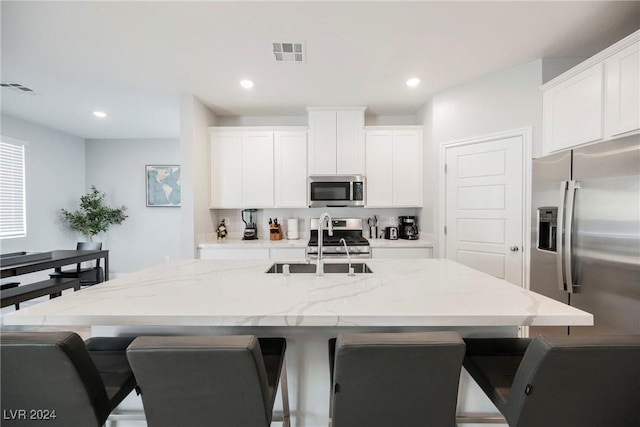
[[398, 120], [55, 179], [424, 117], [499, 102], [370, 120], [197, 218], [262, 121], [117, 168]]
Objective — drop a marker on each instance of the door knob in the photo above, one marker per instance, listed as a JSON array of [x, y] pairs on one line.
[[514, 248]]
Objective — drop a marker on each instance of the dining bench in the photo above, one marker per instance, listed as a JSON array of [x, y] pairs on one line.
[[52, 287]]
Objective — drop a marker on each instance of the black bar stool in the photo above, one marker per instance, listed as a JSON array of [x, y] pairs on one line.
[[559, 381], [396, 379], [209, 380], [66, 381]]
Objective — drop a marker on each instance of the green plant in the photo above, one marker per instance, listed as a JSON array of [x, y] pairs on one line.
[[94, 216]]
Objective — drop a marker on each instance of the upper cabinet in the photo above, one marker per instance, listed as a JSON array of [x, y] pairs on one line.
[[336, 141], [596, 100], [257, 168], [291, 169], [225, 170], [241, 169], [623, 89], [394, 166]]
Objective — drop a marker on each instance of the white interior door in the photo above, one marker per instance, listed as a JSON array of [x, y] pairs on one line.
[[484, 213]]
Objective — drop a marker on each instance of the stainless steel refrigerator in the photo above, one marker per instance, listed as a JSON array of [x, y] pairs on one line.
[[586, 234]]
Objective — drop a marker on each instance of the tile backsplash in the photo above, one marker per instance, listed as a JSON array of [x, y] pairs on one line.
[[235, 226]]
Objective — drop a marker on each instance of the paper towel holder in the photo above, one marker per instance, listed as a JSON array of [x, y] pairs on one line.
[[292, 229]]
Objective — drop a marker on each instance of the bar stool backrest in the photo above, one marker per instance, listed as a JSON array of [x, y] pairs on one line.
[[577, 382], [201, 380], [51, 371], [396, 379]]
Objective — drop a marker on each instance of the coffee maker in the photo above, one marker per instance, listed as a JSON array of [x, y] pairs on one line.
[[408, 228], [250, 228]]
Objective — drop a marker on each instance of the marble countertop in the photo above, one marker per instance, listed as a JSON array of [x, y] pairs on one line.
[[231, 243], [404, 292], [400, 243], [302, 243]]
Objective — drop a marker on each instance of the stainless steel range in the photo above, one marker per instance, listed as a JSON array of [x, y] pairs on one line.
[[349, 229]]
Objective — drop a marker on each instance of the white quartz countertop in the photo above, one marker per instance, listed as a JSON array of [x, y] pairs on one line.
[[252, 244], [302, 243], [400, 243], [411, 292]]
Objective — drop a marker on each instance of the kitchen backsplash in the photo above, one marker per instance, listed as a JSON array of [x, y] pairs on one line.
[[235, 226]]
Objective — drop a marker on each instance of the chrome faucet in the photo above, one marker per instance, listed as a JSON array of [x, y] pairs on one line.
[[325, 217], [346, 249]]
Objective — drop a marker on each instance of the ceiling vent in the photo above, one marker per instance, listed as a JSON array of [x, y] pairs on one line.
[[17, 87], [289, 51]]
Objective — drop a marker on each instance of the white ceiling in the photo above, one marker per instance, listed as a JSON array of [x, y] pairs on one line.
[[134, 59]]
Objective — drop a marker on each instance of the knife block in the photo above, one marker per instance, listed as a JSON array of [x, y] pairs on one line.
[[275, 232]]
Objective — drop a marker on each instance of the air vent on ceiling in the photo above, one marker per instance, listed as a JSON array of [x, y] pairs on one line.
[[288, 51], [17, 87]]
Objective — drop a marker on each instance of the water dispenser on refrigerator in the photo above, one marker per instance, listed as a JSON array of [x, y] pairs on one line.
[[547, 226]]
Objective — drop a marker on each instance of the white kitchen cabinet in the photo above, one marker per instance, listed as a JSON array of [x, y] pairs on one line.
[[257, 169], [234, 253], [226, 170], [394, 166], [623, 91], [225, 251], [260, 167], [596, 100], [379, 171], [288, 253], [290, 151], [336, 141], [396, 253], [350, 142], [573, 110], [241, 169], [407, 168]]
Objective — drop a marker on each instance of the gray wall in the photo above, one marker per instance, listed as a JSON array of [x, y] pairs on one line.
[[499, 102], [197, 218], [55, 179], [502, 101], [149, 234], [61, 167]]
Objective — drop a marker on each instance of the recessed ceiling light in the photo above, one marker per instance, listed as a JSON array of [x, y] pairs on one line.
[[100, 114], [413, 82], [247, 84]]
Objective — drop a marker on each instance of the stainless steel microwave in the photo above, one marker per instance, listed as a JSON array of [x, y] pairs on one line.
[[336, 190]]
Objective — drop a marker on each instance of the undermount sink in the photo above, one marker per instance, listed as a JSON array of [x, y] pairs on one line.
[[302, 268]]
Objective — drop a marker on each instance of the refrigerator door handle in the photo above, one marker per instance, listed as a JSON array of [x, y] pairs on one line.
[[568, 253], [560, 236]]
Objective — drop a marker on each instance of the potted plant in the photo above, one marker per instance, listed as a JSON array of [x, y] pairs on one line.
[[94, 216]]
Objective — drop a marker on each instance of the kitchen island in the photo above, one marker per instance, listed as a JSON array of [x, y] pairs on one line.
[[224, 297]]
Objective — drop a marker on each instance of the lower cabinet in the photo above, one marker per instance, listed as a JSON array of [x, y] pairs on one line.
[[252, 253], [233, 253], [288, 253], [394, 253]]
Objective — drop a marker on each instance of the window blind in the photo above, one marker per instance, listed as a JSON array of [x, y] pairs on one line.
[[13, 221]]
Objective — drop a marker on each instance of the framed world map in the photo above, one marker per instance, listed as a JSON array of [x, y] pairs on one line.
[[163, 185]]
